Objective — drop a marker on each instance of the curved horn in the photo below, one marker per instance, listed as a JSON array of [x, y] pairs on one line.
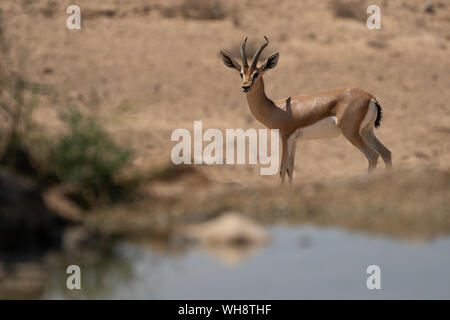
[[243, 56], [258, 53]]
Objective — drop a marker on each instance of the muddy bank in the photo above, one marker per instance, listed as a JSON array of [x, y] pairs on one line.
[[397, 203], [177, 212]]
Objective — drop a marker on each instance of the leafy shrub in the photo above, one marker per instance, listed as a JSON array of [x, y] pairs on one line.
[[89, 159], [85, 157]]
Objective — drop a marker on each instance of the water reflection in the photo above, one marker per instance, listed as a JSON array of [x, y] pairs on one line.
[[102, 272], [299, 263]]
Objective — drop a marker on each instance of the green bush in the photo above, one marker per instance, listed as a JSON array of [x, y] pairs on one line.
[[88, 158], [85, 157]]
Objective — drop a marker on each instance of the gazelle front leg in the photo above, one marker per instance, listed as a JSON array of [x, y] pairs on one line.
[[284, 158], [292, 144]]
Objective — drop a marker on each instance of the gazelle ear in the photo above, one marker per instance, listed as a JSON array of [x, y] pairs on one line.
[[270, 62], [229, 61]]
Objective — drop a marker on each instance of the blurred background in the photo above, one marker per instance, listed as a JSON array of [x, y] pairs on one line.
[[86, 176]]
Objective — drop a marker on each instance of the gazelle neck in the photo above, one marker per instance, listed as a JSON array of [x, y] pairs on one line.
[[260, 105]]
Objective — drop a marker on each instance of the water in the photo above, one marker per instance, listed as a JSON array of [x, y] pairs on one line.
[[299, 263]]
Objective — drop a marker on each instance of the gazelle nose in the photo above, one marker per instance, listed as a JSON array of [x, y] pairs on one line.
[[245, 88]]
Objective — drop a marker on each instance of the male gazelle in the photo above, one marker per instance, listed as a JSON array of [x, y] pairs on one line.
[[350, 111]]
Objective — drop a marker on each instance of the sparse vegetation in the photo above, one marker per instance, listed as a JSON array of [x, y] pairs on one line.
[[85, 157], [88, 158], [198, 9], [349, 9], [18, 98]]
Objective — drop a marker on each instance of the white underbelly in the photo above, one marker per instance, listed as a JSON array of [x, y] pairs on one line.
[[324, 129]]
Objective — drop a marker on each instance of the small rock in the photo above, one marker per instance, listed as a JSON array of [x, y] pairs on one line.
[[55, 198], [421, 155], [428, 7], [47, 70], [228, 229]]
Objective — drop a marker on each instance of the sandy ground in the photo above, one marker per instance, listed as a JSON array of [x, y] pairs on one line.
[[145, 68]]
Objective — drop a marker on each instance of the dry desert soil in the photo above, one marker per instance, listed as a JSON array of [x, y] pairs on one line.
[[145, 68]]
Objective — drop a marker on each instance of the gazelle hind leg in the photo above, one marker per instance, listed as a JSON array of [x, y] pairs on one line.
[[369, 153], [291, 152], [370, 139], [350, 128]]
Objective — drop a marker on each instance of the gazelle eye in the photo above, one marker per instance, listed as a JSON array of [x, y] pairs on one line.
[[242, 75], [255, 75]]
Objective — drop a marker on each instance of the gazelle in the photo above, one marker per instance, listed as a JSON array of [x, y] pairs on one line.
[[351, 112]]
